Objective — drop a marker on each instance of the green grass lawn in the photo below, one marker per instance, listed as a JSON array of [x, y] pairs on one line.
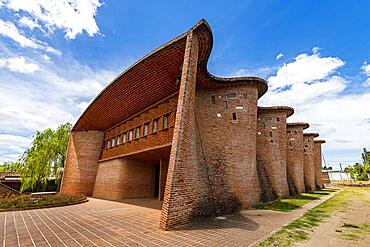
[[300, 229], [289, 204], [27, 201]]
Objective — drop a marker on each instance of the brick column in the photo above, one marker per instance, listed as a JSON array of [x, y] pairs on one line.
[[318, 164], [271, 151], [295, 157], [309, 163], [187, 194], [81, 165]]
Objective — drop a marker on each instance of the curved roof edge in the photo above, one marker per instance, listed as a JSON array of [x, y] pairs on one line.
[[319, 141], [311, 134], [305, 125], [204, 34], [289, 110]]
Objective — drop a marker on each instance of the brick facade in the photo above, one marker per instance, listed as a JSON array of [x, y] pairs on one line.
[[227, 127], [83, 154], [122, 178], [272, 151], [309, 161], [168, 129], [318, 163], [295, 157]]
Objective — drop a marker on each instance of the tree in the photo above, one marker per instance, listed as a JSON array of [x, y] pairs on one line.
[[359, 171], [9, 166], [45, 158]]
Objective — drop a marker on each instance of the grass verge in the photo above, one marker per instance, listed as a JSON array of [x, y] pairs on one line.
[[300, 229], [289, 204], [9, 202]]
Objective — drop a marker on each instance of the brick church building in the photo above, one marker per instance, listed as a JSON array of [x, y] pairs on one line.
[[168, 129]]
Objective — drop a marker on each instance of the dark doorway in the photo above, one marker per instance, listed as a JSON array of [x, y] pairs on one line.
[[156, 182]]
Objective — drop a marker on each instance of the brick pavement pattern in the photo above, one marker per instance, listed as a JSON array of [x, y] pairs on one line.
[[134, 222]]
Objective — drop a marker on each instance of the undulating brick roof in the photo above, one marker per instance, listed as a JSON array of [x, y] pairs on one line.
[[154, 77], [266, 109], [305, 125]]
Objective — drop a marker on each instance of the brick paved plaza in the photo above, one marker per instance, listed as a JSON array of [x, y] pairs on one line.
[[133, 223]]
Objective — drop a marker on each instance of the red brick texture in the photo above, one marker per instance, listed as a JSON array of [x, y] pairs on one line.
[[163, 169], [309, 161], [295, 157], [318, 163], [187, 193], [83, 154], [272, 151], [122, 178], [227, 126], [202, 158], [152, 139]]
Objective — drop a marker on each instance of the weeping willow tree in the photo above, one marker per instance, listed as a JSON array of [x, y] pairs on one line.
[[45, 158]]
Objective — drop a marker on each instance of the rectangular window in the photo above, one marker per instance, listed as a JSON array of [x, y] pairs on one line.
[[277, 119], [106, 145], [165, 122], [213, 98], [146, 128], [225, 105], [118, 140], [245, 95], [113, 142], [130, 135], [231, 95], [124, 138], [155, 126], [270, 133], [234, 115], [137, 133], [290, 143]]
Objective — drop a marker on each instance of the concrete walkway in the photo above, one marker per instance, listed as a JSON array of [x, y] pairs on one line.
[[135, 223]]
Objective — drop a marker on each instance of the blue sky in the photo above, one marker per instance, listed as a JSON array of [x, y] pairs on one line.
[[55, 56]]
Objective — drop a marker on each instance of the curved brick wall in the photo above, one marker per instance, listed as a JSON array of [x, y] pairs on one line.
[[309, 161], [229, 145], [271, 151], [318, 164], [295, 157], [83, 154]]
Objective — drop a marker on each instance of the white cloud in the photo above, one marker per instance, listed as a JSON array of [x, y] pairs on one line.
[[312, 86], [366, 69], [315, 50], [305, 68], [71, 16], [280, 55], [28, 22], [18, 64], [46, 57], [9, 30], [367, 82]]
